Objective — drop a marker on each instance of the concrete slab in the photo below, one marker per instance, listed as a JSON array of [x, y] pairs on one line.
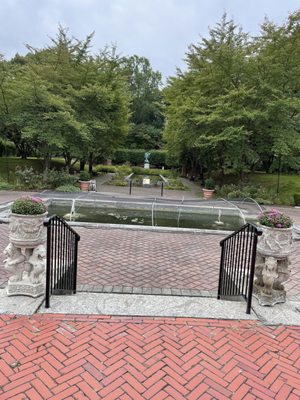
[[22, 305], [147, 305], [281, 314]]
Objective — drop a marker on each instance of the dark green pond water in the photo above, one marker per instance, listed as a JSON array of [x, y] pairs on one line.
[[177, 219]]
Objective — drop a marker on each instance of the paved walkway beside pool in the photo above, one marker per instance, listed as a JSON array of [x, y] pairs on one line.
[[126, 261], [136, 261]]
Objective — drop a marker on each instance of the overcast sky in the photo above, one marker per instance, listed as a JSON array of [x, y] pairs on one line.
[[160, 30]]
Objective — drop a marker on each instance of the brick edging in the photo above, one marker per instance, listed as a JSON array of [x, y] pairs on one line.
[[146, 290]]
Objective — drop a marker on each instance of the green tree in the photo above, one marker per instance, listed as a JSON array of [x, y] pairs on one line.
[[208, 108], [146, 121], [62, 101]]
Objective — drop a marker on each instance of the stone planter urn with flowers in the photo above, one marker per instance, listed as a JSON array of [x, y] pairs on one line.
[[272, 262], [26, 254]]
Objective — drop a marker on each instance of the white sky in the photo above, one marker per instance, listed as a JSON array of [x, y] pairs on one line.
[[160, 30]]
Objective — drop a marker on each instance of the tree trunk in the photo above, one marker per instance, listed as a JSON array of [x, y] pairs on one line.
[[81, 165], [91, 159], [47, 162]]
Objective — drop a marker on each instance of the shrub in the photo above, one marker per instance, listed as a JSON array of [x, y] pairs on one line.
[[297, 199], [134, 156], [175, 184], [153, 171], [105, 168], [118, 182], [53, 178], [137, 156], [259, 193], [27, 178], [68, 189], [28, 206], [5, 186], [84, 176], [158, 157], [274, 219]]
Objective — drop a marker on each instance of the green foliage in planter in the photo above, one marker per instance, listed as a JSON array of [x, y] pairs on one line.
[[84, 176], [68, 189], [209, 184], [28, 206]]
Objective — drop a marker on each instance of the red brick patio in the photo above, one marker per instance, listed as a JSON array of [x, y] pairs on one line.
[[146, 259], [91, 357]]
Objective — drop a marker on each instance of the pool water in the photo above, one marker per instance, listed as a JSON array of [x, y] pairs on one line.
[[162, 218]]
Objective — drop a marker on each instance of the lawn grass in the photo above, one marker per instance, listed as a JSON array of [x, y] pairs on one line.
[[288, 185]]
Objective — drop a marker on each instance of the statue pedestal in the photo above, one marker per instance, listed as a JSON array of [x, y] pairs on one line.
[[272, 265], [146, 165], [23, 288], [26, 255]]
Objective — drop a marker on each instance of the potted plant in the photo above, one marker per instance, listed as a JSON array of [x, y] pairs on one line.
[[209, 188], [26, 222], [84, 181], [277, 233], [272, 259]]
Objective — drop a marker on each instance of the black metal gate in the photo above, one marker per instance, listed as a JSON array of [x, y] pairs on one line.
[[238, 263], [62, 252]]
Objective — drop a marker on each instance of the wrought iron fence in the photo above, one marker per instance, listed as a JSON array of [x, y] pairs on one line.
[[62, 252], [237, 264]]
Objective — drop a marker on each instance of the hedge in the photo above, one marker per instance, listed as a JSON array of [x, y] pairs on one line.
[[137, 156]]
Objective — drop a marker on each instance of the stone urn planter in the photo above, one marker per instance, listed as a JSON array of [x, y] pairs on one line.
[[272, 261], [84, 185], [209, 188], [84, 181], [207, 194], [26, 254], [27, 230]]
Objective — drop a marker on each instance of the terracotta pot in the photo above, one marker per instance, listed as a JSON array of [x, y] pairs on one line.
[[275, 242], [27, 230], [84, 185], [207, 193]]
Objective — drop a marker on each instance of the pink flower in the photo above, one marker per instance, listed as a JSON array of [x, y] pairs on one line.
[[37, 199]]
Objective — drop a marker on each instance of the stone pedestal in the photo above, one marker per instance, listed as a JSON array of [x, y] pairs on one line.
[[26, 255], [272, 265], [146, 165], [24, 288]]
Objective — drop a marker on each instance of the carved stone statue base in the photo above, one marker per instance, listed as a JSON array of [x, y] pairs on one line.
[[28, 268], [277, 296], [270, 273], [24, 288]]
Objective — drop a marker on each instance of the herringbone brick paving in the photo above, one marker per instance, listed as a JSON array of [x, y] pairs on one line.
[[92, 357], [151, 259]]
